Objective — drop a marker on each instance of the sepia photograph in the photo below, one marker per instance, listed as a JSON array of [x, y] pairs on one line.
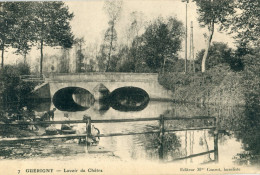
[[149, 87]]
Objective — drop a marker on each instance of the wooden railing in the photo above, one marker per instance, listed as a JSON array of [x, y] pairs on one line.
[[33, 78], [87, 120]]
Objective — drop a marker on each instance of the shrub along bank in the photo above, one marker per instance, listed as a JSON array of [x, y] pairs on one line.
[[12, 88], [219, 85]]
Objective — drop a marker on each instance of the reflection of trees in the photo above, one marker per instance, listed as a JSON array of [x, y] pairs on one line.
[[251, 145], [204, 143], [64, 99], [229, 118], [84, 99], [249, 131], [249, 134], [129, 99], [152, 143], [171, 146], [249, 127]]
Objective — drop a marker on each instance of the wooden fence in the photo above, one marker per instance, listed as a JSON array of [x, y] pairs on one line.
[[87, 120], [32, 78]]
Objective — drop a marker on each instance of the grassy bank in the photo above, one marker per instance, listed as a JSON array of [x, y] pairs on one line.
[[218, 86]]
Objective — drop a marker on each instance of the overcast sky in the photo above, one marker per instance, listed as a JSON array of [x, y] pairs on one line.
[[90, 21]]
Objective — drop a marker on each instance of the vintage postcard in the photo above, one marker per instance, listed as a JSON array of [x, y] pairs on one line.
[[129, 87]]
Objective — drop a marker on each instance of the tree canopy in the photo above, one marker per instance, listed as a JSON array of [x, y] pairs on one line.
[[51, 21], [161, 41], [220, 53], [25, 23], [213, 12], [246, 22], [113, 10], [8, 19], [24, 30]]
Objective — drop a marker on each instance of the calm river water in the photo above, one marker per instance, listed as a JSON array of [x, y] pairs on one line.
[[238, 138]]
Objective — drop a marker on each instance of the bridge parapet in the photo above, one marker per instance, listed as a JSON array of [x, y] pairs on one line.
[[112, 81], [103, 77]]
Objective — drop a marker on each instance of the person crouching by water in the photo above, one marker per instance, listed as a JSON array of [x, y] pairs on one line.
[[47, 116], [51, 113], [25, 114]]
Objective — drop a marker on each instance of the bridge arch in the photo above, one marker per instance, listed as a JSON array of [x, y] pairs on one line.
[[129, 98], [73, 99]]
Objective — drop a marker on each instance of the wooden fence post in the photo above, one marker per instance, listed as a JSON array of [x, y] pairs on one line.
[[215, 141], [87, 119], [216, 146], [161, 138]]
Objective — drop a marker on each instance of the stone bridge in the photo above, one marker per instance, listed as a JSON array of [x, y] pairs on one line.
[[112, 81]]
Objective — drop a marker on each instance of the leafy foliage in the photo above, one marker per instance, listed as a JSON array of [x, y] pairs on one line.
[[220, 53], [64, 61], [8, 19], [12, 88], [79, 42], [161, 42], [102, 58], [24, 34], [213, 12], [110, 40], [51, 21], [113, 10], [251, 123], [25, 23], [246, 22], [136, 58], [136, 25]]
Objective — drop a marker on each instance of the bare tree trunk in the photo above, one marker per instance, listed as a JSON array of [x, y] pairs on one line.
[[24, 58], [207, 146], [135, 55], [41, 59], [2, 65], [110, 48], [203, 64], [135, 62], [164, 60]]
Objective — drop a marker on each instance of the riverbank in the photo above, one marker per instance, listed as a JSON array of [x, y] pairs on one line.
[[219, 86]]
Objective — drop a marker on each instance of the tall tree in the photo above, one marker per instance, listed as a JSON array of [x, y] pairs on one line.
[[8, 16], [212, 12], [24, 29], [110, 40], [161, 42], [136, 24], [52, 25], [219, 53], [64, 61], [113, 10], [246, 22], [79, 42], [101, 58]]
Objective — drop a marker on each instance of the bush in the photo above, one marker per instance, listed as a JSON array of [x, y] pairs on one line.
[[220, 53], [205, 87], [12, 88]]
